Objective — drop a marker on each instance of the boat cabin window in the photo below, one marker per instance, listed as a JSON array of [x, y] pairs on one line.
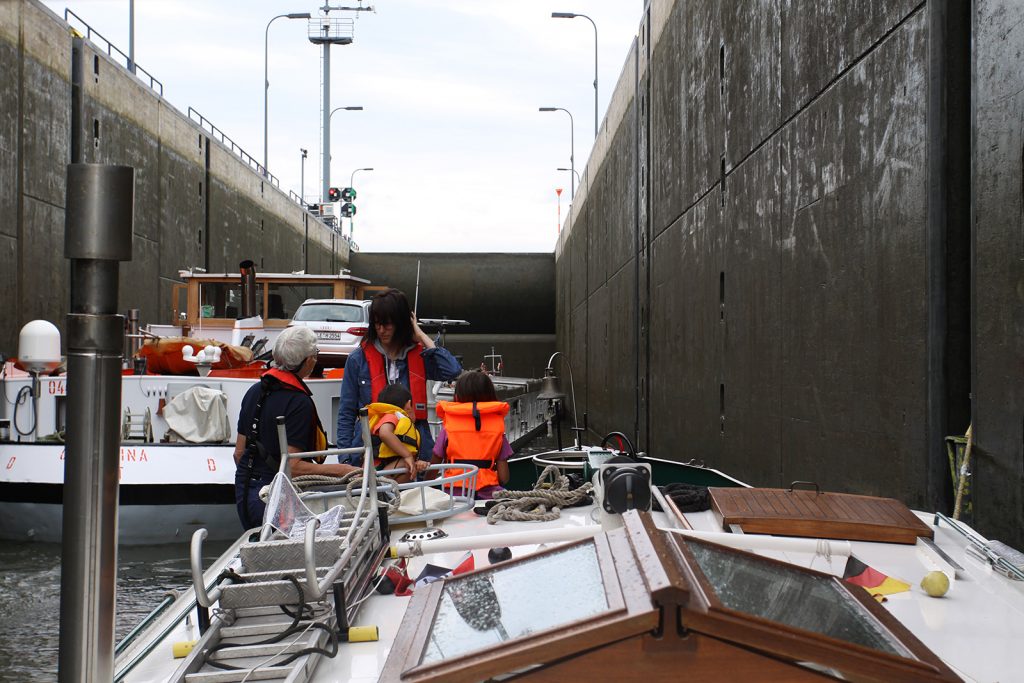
[[491, 607], [283, 299], [224, 300]]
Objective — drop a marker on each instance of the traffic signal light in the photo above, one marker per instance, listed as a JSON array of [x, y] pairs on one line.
[[348, 194], [334, 194], [348, 210]]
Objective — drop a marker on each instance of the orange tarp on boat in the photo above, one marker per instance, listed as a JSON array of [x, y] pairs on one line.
[[163, 356]]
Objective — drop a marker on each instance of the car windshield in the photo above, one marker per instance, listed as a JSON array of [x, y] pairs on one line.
[[335, 313]]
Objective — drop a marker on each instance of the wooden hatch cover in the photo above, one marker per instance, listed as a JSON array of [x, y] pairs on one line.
[[803, 512]]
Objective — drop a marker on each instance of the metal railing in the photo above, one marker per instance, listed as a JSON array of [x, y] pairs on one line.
[[113, 51], [219, 135]]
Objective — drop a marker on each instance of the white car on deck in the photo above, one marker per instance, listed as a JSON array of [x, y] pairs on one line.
[[339, 325]]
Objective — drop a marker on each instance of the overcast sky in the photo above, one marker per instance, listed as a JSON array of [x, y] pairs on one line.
[[462, 159]]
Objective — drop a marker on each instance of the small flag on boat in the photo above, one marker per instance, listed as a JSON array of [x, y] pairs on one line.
[[431, 573], [872, 580]]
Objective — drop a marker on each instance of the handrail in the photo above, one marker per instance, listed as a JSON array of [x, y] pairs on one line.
[[980, 544], [465, 479], [132, 67], [218, 134], [310, 551], [369, 473], [354, 536], [203, 597]]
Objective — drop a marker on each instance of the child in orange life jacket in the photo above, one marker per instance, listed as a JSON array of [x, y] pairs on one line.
[[473, 432], [395, 437]]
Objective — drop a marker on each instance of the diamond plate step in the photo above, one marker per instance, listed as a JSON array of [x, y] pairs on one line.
[[273, 555], [262, 594]]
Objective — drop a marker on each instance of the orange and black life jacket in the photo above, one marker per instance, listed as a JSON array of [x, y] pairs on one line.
[[417, 376], [475, 432], [275, 378]]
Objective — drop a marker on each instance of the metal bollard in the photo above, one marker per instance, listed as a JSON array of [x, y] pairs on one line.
[[98, 235]]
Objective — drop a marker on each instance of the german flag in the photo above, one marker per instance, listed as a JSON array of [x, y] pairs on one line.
[[872, 580]]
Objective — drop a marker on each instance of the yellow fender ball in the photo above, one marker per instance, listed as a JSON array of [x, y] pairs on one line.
[[935, 584]]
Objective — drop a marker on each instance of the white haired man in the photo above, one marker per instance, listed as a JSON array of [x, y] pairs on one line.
[[280, 392]]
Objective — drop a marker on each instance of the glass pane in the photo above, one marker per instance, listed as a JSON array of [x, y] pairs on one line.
[[516, 600], [283, 299], [746, 583], [335, 313], [224, 300]]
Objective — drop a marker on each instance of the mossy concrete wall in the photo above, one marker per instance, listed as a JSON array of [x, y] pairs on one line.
[[775, 264], [197, 203], [506, 298]]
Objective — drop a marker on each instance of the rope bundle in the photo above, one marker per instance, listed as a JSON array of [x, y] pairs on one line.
[[539, 504]]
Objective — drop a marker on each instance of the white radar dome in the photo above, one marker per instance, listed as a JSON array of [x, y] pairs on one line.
[[39, 347]]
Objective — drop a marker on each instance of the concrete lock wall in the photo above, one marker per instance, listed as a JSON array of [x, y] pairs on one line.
[[506, 298], [775, 231], [197, 203]]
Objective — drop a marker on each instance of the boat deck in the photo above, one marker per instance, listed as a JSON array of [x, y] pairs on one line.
[[976, 628]]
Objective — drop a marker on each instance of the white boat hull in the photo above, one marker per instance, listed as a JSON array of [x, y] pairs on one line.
[[166, 492]]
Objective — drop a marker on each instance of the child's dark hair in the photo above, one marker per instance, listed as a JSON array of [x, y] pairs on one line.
[[474, 385], [395, 394]]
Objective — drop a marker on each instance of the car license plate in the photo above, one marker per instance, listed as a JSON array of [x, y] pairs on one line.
[[324, 335]]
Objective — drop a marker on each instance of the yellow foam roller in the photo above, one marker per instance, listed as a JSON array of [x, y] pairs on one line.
[[182, 648], [363, 634]]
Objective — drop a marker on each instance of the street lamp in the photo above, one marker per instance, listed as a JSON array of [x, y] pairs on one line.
[[266, 79], [331, 117], [573, 171], [351, 219], [346, 109], [573, 15], [572, 144]]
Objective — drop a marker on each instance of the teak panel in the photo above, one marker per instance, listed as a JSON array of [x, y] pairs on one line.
[[793, 512]]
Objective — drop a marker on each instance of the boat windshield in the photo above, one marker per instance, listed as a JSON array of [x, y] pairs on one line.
[[488, 608], [745, 583]]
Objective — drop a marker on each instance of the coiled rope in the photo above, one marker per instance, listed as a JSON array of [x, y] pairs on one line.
[[542, 503]]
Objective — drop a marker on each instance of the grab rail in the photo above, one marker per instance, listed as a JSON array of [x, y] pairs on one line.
[[132, 67], [217, 133]]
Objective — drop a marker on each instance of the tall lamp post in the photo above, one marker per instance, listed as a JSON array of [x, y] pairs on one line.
[[352, 220], [266, 79], [572, 145], [573, 15], [336, 109], [331, 33]]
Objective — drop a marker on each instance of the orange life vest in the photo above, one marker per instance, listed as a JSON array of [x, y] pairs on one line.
[[417, 376], [474, 433], [289, 380]]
